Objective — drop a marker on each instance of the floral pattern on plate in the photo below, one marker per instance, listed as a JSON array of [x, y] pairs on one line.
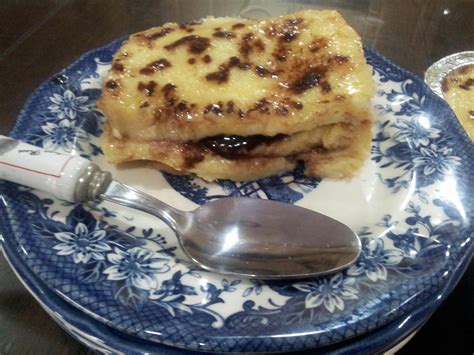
[[411, 213]]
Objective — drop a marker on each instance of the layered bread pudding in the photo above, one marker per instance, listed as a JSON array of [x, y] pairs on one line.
[[458, 91], [230, 98]]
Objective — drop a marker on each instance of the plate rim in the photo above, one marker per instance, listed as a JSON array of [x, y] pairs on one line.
[[419, 315]]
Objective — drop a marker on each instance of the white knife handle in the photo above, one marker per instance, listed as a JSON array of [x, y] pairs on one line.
[[68, 177]]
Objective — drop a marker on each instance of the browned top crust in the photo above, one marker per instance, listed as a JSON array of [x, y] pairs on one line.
[[226, 76]]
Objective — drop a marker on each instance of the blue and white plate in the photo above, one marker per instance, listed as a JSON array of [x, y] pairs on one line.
[[107, 340], [410, 205]]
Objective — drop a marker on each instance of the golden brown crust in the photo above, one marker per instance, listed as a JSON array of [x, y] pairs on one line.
[[290, 73]]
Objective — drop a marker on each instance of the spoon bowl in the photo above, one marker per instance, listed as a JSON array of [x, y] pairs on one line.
[[252, 238]]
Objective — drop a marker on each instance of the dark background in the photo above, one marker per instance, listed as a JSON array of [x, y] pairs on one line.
[[39, 38]]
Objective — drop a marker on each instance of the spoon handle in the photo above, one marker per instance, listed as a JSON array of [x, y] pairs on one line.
[[75, 179], [68, 177], [129, 197]]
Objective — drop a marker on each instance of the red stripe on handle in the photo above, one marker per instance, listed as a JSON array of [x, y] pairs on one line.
[[34, 171]]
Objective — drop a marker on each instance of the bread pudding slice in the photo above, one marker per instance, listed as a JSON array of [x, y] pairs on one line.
[[241, 99]]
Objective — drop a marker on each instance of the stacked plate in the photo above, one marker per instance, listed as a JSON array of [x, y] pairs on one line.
[[117, 280]]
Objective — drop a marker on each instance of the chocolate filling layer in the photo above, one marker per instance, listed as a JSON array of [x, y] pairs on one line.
[[233, 147]]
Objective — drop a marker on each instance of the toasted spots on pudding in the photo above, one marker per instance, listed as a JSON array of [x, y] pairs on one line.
[[113, 87], [318, 44], [168, 88], [117, 66], [186, 27], [148, 39], [230, 107], [152, 67], [289, 76], [194, 43], [224, 34], [207, 59], [467, 84], [111, 84], [298, 105], [222, 74], [250, 43], [238, 26], [261, 70], [291, 30], [285, 32], [339, 59], [245, 46], [148, 88], [219, 76], [311, 78], [215, 108], [163, 32]]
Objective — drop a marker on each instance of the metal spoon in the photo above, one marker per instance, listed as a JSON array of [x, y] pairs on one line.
[[243, 237]]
